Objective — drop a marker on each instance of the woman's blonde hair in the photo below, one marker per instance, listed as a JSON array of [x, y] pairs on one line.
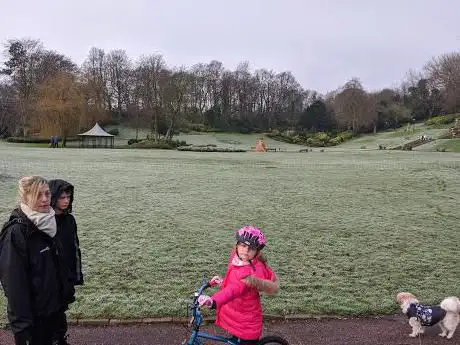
[[29, 188]]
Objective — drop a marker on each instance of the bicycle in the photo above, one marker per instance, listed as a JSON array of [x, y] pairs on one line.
[[197, 336]]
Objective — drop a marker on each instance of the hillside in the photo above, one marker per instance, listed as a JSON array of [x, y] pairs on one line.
[[389, 139], [393, 138], [236, 140]]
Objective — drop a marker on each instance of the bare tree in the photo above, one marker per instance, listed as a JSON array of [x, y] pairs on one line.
[[119, 69], [134, 99], [444, 74], [150, 70], [353, 107], [94, 75], [52, 63], [266, 81], [199, 96], [8, 109], [23, 57], [215, 71], [175, 94]]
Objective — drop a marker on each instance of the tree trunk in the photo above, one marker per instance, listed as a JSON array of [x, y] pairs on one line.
[[170, 132], [137, 126], [153, 126], [157, 134]]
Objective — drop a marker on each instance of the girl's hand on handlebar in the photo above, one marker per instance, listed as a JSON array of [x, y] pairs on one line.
[[216, 280], [206, 301]]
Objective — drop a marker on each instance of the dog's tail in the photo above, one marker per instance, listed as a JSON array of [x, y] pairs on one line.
[[451, 304]]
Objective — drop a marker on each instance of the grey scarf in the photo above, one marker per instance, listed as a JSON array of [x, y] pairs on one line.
[[45, 222]]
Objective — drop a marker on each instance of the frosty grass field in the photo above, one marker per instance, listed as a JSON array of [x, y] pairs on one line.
[[346, 229]]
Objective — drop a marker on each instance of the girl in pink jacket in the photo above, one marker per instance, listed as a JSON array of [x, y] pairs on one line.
[[239, 310]]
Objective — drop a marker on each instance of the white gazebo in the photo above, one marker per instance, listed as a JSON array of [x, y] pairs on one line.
[[96, 137]]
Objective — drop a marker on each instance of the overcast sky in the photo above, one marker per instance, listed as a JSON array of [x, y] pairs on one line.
[[324, 42]]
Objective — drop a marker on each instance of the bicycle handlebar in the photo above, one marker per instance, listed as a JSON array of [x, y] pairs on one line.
[[199, 292]]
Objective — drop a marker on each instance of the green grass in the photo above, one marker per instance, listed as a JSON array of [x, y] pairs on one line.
[[346, 229], [452, 145]]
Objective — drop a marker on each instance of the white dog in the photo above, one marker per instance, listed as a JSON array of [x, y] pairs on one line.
[[447, 314]]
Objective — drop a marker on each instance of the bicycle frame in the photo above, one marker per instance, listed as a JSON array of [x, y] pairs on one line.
[[197, 319]]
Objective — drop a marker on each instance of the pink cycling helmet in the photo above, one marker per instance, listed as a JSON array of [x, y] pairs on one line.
[[251, 236]]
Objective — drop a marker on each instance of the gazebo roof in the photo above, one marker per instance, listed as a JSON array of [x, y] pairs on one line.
[[96, 131]]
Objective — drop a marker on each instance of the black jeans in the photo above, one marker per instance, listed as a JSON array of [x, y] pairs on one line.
[[45, 327], [61, 327]]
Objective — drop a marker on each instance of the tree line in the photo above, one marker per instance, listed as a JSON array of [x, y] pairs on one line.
[[43, 92]]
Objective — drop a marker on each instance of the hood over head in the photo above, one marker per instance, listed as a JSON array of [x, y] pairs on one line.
[[57, 187]]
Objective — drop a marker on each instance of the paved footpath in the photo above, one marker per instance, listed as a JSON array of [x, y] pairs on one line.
[[386, 330]]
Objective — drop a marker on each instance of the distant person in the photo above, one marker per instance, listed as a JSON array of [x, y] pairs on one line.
[[62, 196], [30, 273], [260, 146]]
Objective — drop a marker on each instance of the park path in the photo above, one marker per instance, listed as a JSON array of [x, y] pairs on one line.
[[387, 330]]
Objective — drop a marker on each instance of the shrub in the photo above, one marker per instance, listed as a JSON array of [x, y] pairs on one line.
[[320, 139], [133, 141], [314, 142], [114, 131], [324, 137], [199, 127], [440, 120], [147, 144], [151, 144], [202, 148], [38, 140], [28, 140], [178, 143], [205, 145], [346, 135], [280, 137], [335, 141], [289, 133]]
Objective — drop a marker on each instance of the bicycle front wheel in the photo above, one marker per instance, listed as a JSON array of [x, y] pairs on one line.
[[273, 340]]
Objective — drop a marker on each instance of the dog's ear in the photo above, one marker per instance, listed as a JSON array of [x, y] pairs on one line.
[[402, 296], [399, 297]]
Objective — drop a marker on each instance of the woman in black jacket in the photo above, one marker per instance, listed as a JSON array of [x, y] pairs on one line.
[[62, 194], [33, 281]]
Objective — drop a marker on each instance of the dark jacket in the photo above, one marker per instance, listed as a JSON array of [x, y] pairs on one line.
[[30, 273], [67, 232]]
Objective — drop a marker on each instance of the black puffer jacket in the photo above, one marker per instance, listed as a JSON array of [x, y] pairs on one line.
[[31, 276], [67, 231]]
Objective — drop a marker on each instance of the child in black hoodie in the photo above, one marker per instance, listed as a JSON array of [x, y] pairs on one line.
[[62, 194]]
